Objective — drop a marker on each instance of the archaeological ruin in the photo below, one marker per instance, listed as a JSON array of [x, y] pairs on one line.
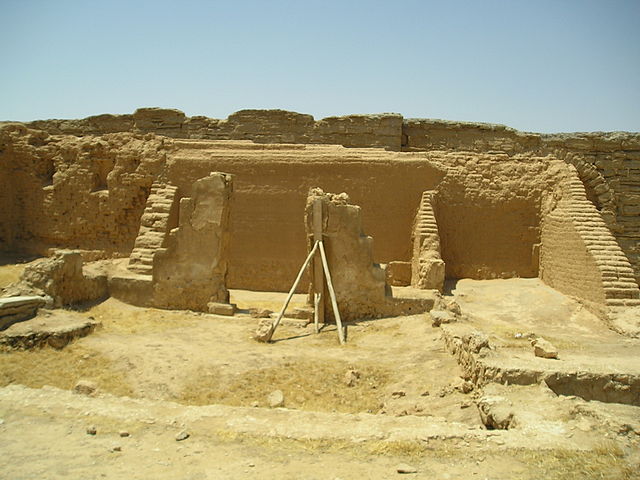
[[519, 251]]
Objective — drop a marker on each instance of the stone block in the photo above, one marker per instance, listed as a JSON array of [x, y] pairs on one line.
[[399, 274], [227, 309]]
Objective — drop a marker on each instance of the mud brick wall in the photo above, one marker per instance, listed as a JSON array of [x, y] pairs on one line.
[[271, 183], [262, 126], [565, 262], [609, 167], [607, 163], [75, 192], [488, 211], [579, 254]]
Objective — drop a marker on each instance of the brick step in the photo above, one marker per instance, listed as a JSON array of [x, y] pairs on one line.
[[621, 293], [615, 263], [614, 249], [616, 277], [622, 302], [619, 284], [140, 261], [604, 243], [142, 269]]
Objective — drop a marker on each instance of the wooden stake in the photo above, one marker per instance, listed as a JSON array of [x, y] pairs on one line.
[[332, 293], [316, 300], [291, 292], [318, 274]]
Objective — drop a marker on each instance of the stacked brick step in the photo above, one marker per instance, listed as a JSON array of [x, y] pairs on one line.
[[427, 267], [425, 219], [154, 226], [620, 287]]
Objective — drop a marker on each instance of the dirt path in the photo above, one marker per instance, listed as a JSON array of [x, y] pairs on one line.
[[392, 395]]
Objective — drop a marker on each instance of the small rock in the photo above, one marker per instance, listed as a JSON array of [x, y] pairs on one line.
[[351, 377], [85, 387], [264, 330], [58, 341], [116, 448], [255, 404], [276, 399], [497, 413], [544, 349], [124, 433], [398, 394], [425, 393], [92, 430], [183, 435], [478, 341], [439, 317], [465, 405], [227, 309], [466, 386], [252, 464], [302, 313], [260, 312], [453, 307], [406, 468]]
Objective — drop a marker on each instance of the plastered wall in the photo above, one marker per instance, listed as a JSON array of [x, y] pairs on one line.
[[268, 243]]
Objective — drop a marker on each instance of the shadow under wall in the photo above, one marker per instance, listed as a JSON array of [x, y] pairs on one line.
[[485, 239]]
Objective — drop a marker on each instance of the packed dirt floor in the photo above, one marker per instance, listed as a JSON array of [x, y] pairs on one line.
[[187, 395]]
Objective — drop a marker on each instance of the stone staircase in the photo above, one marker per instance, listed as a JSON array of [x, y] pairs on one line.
[[620, 287], [425, 218], [154, 226], [427, 269]]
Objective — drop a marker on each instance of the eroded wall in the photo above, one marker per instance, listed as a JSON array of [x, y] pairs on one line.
[[270, 190], [190, 270], [359, 282], [488, 213], [76, 192], [608, 163], [579, 255], [486, 204], [55, 185], [566, 264]]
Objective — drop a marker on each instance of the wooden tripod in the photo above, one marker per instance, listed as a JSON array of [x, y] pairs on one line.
[[321, 273]]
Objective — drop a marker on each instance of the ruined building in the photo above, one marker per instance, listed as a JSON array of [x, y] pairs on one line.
[[440, 199]]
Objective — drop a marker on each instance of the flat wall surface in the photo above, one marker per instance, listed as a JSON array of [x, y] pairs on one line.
[[271, 184], [565, 262]]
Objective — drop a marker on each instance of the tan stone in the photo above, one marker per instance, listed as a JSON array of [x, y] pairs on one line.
[[359, 283], [227, 309], [190, 271]]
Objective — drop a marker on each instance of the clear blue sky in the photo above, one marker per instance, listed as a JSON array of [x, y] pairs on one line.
[[536, 65]]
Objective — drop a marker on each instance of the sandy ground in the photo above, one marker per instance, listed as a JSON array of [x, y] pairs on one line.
[[160, 372]]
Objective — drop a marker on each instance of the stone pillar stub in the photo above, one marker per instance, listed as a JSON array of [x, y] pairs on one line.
[[359, 283], [190, 271]]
